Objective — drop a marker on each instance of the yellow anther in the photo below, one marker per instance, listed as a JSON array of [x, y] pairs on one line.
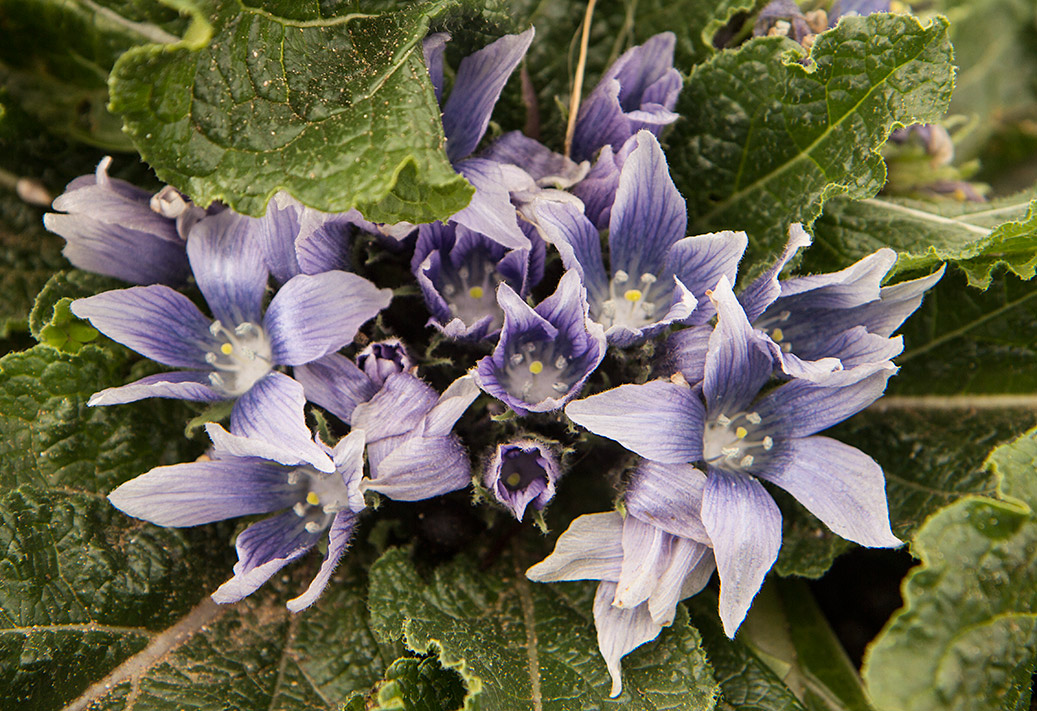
[[312, 499], [226, 349], [741, 432], [476, 292], [777, 335], [513, 479], [536, 367], [633, 295]]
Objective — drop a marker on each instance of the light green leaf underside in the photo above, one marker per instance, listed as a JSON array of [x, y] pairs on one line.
[[338, 111], [766, 140], [522, 645], [966, 637], [977, 237]]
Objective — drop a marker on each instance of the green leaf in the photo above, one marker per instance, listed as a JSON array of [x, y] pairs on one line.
[[766, 139], [336, 109], [27, 259], [61, 289], [699, 23], [521, 645], [417, 685], [747, 683], [965, 638], [976, 236]]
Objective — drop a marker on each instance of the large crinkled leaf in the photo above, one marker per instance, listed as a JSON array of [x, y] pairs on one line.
[[746, 682], [966, 384], [770, 133], [523, 645], [698, 25], [412, 685], [335, 108], [976, 236], [966, 637]]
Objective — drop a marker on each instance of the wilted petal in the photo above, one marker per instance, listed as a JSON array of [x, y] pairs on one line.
[[744, 525], [645, 555], [590, 549], [687, 562], [842, 486], [202, 492], [620, 631]]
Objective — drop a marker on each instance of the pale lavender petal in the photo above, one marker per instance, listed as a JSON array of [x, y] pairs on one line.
[[645, 555], [895, 304], [801, 408], [114, 250], [420, 468], [539, 162], [202, 492], [289, 454], [450, 406], [597, 191], [842, 486], [230, 267], [335, 383], [272, 411], [397, 409], [349, 464], [699, 262], [836, 350], [668, 496], [263, 549], [762, 292], [649, 215], [179, 385], [276, 232], [520, 317], [480, 79], [738, 361], [590, 549], [744, 525], [686, 559], [659, 420], [855, 285], [338, 540], [620, 631], [490, 212], [323, 242], [685, 353], [155, 321], [311, 316]]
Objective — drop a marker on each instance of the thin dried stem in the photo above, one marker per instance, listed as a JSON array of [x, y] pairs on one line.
[[574, 101]]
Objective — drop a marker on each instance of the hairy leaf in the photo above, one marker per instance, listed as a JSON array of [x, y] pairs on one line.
[[976, 236], [414, 685], [770, 134], [335, 108], [523, 645], [971, 604]]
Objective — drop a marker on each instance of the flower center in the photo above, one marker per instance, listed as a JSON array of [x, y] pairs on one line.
[[771, 325], [471, 292], [321, 496], [535, 372], [521, 468], [735, 443], [242, 357], [629, 304]]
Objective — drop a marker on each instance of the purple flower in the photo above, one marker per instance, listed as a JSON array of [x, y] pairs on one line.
[[741, 436], [480, 78], [384, 358], [226, 356], [658, 276], [782, 17], [520, 473], [459, 271], [637, 92], [411, 449], [270, 464], [116, 229], [544, 354], [846, 315], [644, 572]]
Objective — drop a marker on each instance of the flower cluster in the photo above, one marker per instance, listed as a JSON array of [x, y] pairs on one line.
[[742, 383]]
